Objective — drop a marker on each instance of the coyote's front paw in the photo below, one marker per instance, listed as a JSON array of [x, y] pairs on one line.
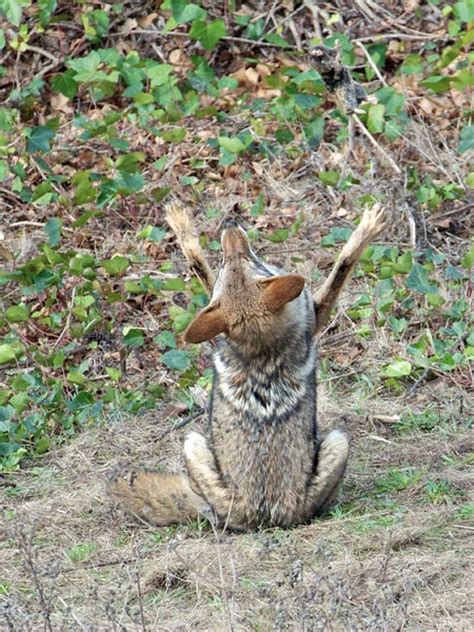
[[373, 221]]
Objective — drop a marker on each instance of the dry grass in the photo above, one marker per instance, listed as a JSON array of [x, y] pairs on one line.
[[383, 561]]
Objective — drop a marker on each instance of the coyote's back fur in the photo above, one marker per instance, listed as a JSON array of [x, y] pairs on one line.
[[262, 460]]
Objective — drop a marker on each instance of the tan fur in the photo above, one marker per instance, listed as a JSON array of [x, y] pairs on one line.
[[180, 221], [208, 324], [371, 225], [261, 460], [278, 291]]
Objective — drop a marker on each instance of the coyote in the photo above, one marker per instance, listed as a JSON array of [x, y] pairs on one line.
[[262, 461]]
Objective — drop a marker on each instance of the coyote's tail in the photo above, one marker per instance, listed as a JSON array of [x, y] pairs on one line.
[[181, 223]]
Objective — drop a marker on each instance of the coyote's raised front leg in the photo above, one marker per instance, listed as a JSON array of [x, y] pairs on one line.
[[372, 223], [332, 460], [156, 498], [181, 223]]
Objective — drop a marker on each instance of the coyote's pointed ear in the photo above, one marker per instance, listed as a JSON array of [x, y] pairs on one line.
[[280, 290], [208, 324]]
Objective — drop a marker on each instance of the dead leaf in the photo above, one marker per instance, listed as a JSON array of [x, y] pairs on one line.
[[147, 21], [61, 103], [6, 254], [346, 358]]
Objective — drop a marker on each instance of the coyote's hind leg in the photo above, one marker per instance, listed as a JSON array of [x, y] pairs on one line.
[[332, 460], [204, 473], [156, 498], [372, 223]]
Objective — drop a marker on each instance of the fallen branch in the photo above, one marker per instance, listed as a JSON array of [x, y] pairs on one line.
[[378, 147]]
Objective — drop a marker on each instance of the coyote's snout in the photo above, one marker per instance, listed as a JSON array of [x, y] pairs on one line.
[[262, 460]]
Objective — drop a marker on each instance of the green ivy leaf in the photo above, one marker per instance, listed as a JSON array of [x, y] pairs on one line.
[[176, 359], [278, 235], [16, 314], [65, 84], [184, 11], [375, 119], [116, 265], [435, 299], [114, 374], [173, 285], [313, 132], [231, 144], [399, 368], [12, 11], [152, 233], [466, 139], [258, 206], [129, 182], [418, 280], [7, 353], [331, 178], [412, 65], [160, 193], [165, 340], [40, 139], [75, 377], [404, 263], [437, 83], [208, 34], [53, 229], [464, 10], [3, 170], [159, 74], [129, 162], [468, 260], [180, 318], [84, 192], [175, 135], [133, 337], [275, 39], [6, 413]]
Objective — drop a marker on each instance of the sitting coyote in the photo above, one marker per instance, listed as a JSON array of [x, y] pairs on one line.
[[262, 460]]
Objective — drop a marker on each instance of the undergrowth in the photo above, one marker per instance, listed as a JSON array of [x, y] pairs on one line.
[[138, 103]]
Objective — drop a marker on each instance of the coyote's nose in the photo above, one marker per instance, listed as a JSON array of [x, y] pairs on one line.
[[234, 240]]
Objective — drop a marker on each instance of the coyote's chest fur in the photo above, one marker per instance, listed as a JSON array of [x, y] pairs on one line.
[[265, 389]]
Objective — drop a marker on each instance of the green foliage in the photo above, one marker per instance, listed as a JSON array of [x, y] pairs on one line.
[[81, 552], [440, 491], [102, 157], [397, 480]]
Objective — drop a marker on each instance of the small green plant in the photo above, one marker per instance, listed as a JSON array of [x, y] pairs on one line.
[[440, 491], [4, 587], [398, 480], [465, 512], [364, 524], [430, 420], [81, 552]]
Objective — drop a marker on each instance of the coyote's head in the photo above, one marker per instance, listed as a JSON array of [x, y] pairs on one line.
[[250, 298]]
